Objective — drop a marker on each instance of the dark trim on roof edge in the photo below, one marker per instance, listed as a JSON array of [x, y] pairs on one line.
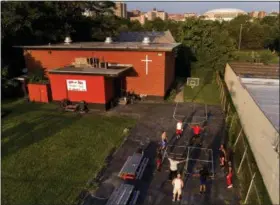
[[55, 72], [94, 74], [98, 49]]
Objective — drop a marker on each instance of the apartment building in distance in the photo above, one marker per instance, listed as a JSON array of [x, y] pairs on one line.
[[152, 15], [133, 13], [181, 17], [257, 14], [176, 17], [120, 10], [190, 15], [274, 13], [142, 18]]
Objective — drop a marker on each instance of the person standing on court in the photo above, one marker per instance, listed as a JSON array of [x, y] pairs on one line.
[[163, 140], [223, 155], [203, 175], [196, 134], [179, 129], [158, 160], [174, 167], [178, 185], [229, 176]]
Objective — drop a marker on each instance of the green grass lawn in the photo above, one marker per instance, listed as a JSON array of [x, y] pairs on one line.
[[48, 156], [204, 93]]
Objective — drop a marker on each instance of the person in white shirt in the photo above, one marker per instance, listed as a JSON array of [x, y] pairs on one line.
[[179, 129], [178, 185], [174, 168]]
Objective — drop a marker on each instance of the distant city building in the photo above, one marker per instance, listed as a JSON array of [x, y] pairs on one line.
[[176, 17], [136, 12], [120, 10], [190, 15], [152, 15], [257, 14], [274, 13], [142, 19], [223, 14], [162, 15]]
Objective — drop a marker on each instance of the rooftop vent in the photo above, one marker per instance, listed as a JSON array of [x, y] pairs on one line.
[[67, 40], [146, 40], [108, 40]]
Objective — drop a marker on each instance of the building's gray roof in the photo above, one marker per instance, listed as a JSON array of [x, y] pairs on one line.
[[103, 46], [265, 92], [254, 70], [155, 36], [112, 71]]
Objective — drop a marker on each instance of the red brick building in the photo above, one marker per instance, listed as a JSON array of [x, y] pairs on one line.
[[143, 68]]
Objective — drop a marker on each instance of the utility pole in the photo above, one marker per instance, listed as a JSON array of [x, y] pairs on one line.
[[240, 36]]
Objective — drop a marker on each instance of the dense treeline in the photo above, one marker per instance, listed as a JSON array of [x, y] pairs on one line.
[[206, 44]]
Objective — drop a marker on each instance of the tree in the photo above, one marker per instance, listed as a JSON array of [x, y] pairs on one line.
[[155, 25], [50, 22], [210, 44]]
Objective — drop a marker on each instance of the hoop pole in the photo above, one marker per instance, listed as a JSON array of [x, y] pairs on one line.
[[206, 112], [213, 171], [198, 148], [164, 155], [200, 160], [176, 154], [187, 162], [177, 146]]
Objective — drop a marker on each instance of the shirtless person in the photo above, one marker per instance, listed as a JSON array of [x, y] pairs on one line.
[[179, 129], [178, 185], [163, 140]]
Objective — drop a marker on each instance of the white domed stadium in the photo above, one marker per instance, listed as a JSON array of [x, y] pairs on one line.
[[223, 14]]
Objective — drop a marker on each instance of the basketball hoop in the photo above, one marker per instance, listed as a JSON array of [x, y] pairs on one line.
[[193, 82]]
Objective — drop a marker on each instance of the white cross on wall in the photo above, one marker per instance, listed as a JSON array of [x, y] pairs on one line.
[[147, 64]]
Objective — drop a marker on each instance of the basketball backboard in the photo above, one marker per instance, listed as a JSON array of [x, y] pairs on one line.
[[193, 82]]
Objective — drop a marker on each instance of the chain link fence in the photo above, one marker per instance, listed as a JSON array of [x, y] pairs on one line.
[[252, 188]]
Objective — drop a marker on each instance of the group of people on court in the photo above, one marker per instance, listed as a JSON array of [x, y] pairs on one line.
[[225, 162], [203, 173]]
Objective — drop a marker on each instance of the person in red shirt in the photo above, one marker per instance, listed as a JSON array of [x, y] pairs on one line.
[[196, 134], [229, 176], [158, 160]]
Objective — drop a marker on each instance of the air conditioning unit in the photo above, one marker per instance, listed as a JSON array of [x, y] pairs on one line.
[[108, 40], [146, 41], [67, 40]]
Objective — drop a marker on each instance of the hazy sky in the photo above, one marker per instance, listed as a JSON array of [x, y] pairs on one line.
[[201, 7]]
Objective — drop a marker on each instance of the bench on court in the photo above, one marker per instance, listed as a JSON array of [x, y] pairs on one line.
[[125, 194], [134, 167]]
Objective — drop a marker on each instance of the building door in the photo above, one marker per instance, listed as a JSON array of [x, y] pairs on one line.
[[120, 86], [117, 87]]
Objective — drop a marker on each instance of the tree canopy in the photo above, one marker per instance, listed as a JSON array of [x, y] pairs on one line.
[[206, 44]]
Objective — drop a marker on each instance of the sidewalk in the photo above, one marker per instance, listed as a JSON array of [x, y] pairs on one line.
[[180, 96]]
